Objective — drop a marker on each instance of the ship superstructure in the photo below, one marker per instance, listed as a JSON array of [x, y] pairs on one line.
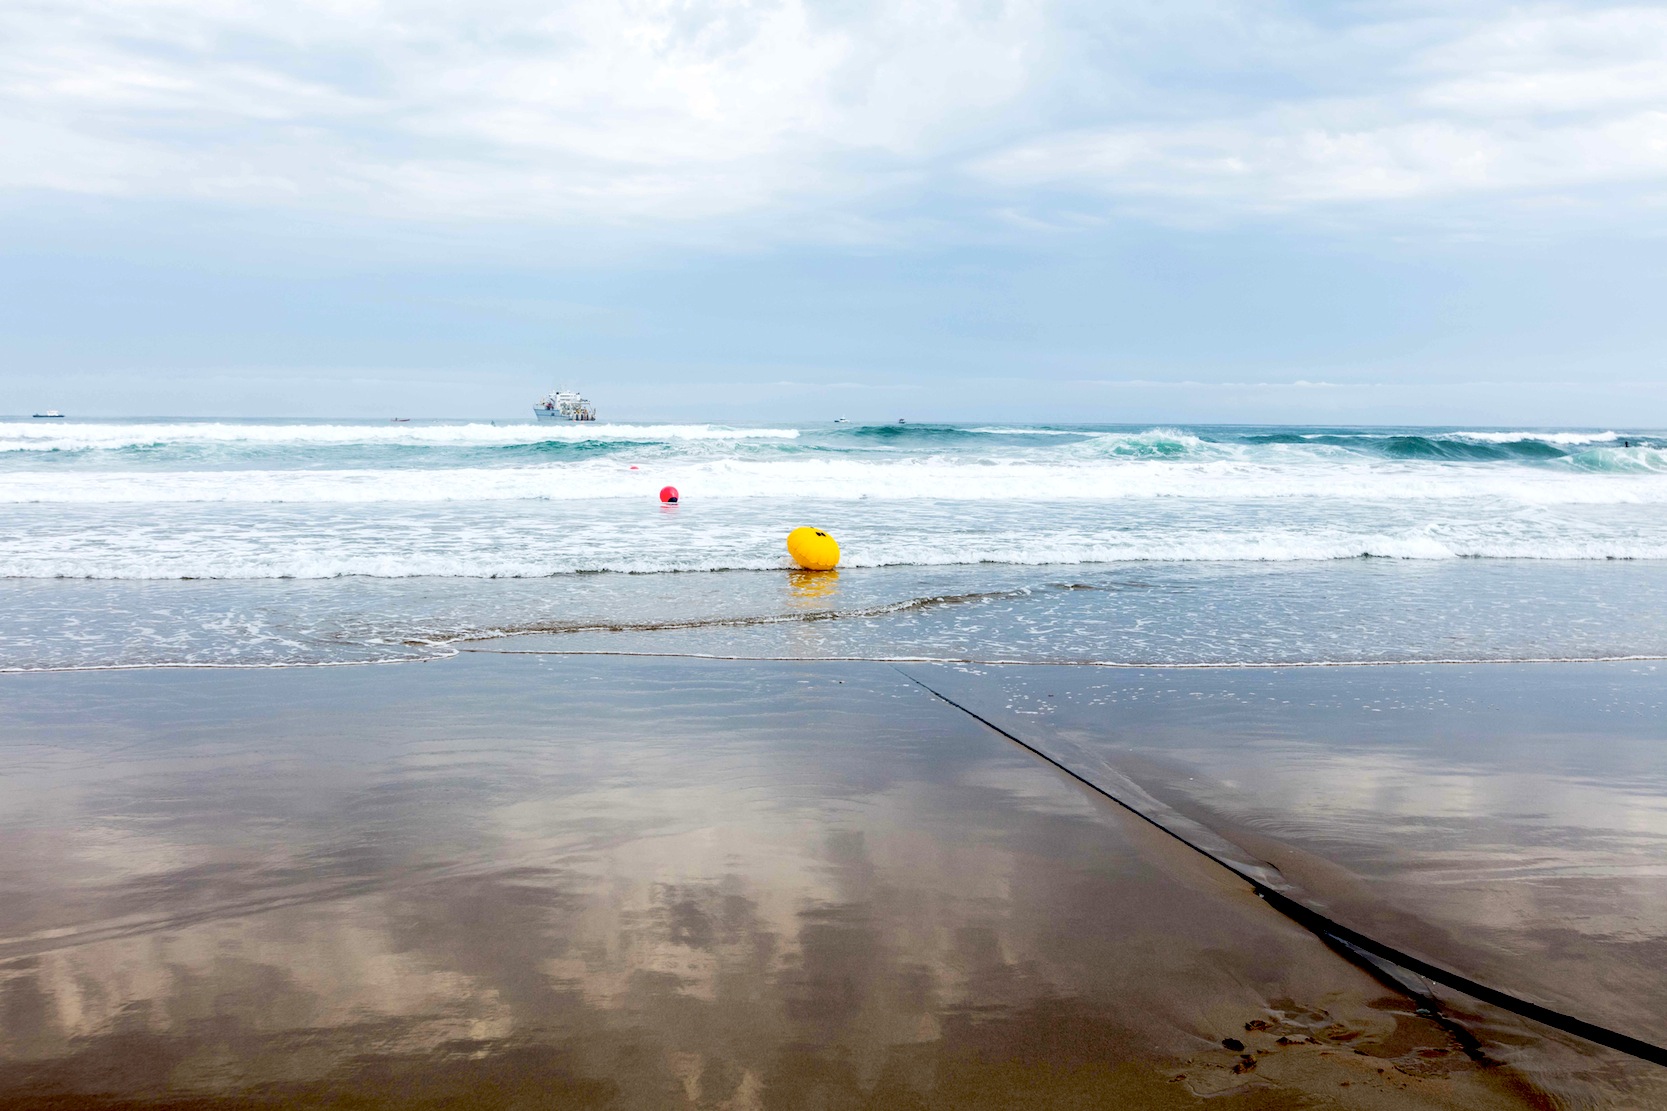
[[564, 405]]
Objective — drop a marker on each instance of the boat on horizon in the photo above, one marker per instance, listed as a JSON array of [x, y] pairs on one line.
[[564, 405], [50, 414]]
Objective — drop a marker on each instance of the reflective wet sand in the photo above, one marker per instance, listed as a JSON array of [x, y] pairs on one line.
[[1506, 821], [520, 881]]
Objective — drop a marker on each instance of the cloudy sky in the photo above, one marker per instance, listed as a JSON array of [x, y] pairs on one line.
[[1190, 210]]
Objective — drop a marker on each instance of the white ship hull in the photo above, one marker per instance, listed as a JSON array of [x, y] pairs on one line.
[[564, 405]]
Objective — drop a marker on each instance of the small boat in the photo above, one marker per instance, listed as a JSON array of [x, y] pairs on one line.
[[399, 420], [50, 414], [839, 420]]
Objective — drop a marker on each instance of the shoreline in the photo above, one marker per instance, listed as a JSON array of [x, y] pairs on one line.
[[1160, 615], [1128, 665]]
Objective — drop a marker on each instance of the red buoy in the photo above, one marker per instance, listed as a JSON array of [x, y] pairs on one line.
[[668, 495]]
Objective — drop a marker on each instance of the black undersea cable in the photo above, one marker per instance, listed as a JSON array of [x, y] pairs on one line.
[[1331, 930]]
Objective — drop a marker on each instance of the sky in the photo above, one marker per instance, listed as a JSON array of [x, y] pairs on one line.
[[1187, 211]]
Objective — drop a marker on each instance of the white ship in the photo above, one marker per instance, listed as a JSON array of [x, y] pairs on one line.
[[564, 405]]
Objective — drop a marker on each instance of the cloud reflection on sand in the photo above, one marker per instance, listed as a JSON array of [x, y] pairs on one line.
[[654, 885]]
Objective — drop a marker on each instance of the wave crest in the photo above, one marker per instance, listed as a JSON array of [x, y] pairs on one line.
[[17, 436]]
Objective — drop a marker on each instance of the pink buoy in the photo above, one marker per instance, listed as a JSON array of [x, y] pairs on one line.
[[633, 466], [668, 495]]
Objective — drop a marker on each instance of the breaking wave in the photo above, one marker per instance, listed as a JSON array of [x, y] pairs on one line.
[[322, 500], [21, 436], [1638, 478]]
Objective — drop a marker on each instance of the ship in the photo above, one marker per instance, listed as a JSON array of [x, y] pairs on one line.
[[564, 405], [50, 414]]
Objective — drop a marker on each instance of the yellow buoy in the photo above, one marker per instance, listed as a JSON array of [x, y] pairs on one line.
[[813, 549]]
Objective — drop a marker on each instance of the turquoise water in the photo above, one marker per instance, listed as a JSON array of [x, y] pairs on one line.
[[169, 541]]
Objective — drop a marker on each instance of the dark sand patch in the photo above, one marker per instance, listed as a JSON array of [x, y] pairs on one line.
[[501, 881]]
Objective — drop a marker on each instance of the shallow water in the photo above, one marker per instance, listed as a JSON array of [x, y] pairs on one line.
[[1151, 613]]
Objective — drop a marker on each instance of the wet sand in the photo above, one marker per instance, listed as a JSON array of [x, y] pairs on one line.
[[1508, 822], [526, 881]]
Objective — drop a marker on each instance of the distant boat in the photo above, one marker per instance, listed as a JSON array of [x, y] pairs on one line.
[[564, 405], [399, 420], [50, 414], [839, 420]]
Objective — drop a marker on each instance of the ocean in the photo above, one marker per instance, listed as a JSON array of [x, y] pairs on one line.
[[163, 542]]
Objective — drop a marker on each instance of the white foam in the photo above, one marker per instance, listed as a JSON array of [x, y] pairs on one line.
[[1246, 550], [18, 436], [845, 478], [1028, 432], [1153, 438], [377, 549], [1562, 438]]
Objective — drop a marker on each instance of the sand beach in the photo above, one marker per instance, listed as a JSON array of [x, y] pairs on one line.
[[513, 879]]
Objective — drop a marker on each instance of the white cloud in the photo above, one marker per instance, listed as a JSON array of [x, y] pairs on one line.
[[1293, 157], [1535, 103], [1551, 62], [590, 109], [700, 110]]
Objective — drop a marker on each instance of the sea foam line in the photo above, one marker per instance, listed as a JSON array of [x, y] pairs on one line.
[[445, 650], [842, 479], [15, 436], [192, 563]]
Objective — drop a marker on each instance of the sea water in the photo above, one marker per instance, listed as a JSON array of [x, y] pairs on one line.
[[180, 542]]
